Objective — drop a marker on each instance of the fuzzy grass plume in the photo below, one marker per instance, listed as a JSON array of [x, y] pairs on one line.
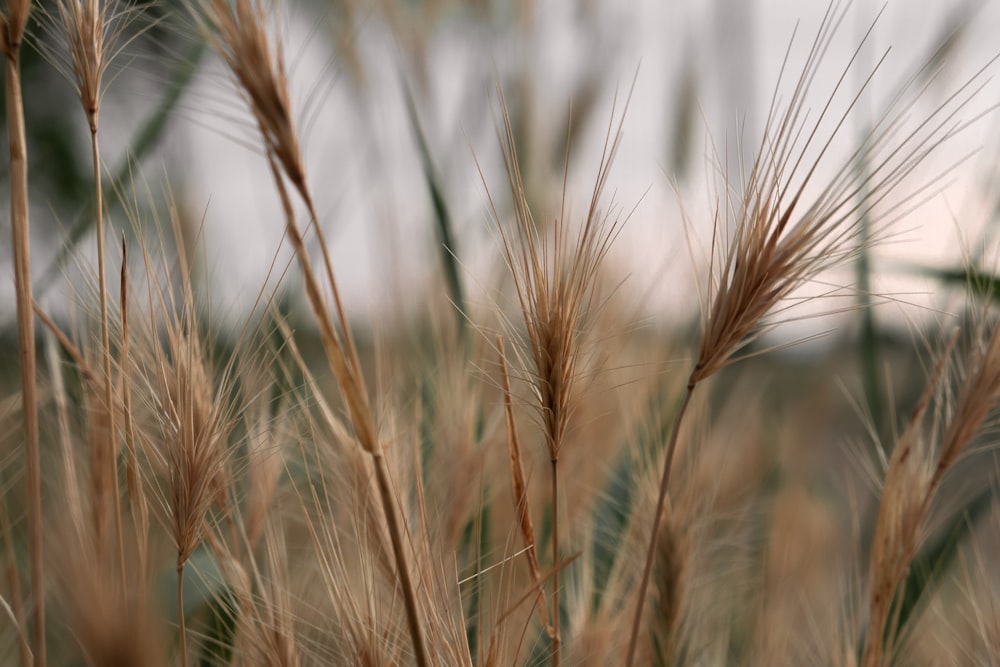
[[315, 490]]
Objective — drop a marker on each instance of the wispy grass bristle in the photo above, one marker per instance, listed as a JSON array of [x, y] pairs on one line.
[[572, 475]]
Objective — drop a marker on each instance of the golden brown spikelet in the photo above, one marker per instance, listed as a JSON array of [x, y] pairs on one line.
[[555, 274], [238, 33], [194, 452], [916, 468], [183, 432], [786, 227], [83, 24]]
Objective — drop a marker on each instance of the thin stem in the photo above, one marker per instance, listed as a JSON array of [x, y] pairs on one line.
[[180, 612], [640, 601], [112, 441], [556, 629], [409, 593], [347, 369], [26, 337], [137, 497]]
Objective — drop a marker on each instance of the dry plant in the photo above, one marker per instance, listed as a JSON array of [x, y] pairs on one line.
[[556, 494], [555, 274], [239, 33], [778, 240], [93, 34], [13, 23]]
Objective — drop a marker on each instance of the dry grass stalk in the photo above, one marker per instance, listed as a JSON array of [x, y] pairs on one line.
[[195, 455], [779, 241], [555, 281], [519, 486], [12, 26], [912, 479], [92, 33], [138, 502], [238, 33], [83, 23]]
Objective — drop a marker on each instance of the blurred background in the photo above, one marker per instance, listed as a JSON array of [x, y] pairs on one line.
[[398, 108]]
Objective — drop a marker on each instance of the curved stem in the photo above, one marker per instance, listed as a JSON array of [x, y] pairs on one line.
[[640, 601], [346, 367]]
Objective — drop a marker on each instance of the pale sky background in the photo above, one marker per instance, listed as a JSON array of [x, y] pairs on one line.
[[366, 173]]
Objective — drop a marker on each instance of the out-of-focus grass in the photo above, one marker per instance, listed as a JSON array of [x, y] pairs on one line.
[[808, 517]]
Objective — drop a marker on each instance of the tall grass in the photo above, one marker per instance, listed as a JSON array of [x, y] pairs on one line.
[[533, 481]]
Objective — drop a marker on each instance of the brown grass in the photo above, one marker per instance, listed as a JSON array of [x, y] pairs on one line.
[[559, 493], [238, 33], [780, 241], [555, 276], [12, 27]]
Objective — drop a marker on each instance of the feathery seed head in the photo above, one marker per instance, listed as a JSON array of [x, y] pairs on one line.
[[94, 33], [555, 277], [195, 441], [784, 236], [237, 31]]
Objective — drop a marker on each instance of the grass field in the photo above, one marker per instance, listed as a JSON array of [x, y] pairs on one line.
[[519, 457]]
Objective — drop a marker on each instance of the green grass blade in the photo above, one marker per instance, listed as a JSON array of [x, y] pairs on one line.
[[978, 282], [445, 232]]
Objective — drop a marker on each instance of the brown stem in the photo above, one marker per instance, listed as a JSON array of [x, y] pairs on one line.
[[347, 370], [640, 602], [137, 496], [556, 624], [26, 337], [112, 442], [180, 612], [409, 593]]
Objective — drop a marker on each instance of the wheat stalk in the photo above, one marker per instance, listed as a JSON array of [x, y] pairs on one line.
[[12, 28], [781, 241], [238, 33]]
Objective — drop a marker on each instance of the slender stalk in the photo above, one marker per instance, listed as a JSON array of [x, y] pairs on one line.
[[180, 612], [347, 369], [137, 496], [25, 327], [556, 629], [112, 442], [640, 602], [520, 488], [382, 478]]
